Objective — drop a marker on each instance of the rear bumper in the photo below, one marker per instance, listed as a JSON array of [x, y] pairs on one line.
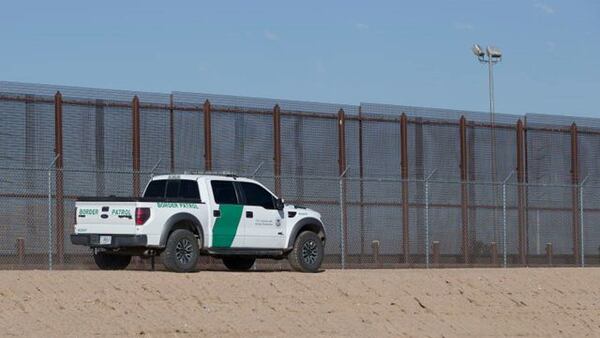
[[117, 241]]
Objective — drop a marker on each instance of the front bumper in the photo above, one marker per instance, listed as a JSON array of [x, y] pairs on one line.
[[117, 241]]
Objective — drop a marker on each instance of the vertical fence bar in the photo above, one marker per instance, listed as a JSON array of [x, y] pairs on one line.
[[427, 223], [504, 232], [504, 249], [100, 156], [549, 253], [277, 148], [342, 225], [464, 205], [342, 173], [427, 218], [581, 240], [172, 133], [50, 219], [435, 248], [361, 183], [504, 225], [135, 142], [575, 194], [58, 152], [207, 136], [404, 175], [521, 195], [493, 254]]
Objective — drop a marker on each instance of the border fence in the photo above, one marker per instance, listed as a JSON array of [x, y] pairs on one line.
[[397, 186]]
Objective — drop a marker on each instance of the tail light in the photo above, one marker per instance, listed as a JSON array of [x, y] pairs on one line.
[[141, 215]]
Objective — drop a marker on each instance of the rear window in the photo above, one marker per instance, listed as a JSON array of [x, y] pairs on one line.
[[189, 189], [156, 189], [224, 192], [172, 189], [184, 189]]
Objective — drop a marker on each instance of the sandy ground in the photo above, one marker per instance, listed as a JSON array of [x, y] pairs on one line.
[[451, 303]]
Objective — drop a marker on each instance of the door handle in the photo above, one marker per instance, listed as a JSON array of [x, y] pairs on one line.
[[249, 214], [217, 213]]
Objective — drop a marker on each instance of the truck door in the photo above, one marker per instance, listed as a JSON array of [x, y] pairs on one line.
[[226, 215], [263, 224]]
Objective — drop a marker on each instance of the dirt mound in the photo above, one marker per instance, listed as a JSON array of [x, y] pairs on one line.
[[452, 302]]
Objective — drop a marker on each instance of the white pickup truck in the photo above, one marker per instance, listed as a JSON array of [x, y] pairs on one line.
[[181, 217]]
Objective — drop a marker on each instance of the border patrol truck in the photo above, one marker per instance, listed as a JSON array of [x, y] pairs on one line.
[[181, 217]]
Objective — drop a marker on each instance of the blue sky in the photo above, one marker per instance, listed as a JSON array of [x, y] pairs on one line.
[[400, 52]]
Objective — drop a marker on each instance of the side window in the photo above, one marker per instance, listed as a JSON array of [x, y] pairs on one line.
[[156, 189], [172, 189], [189, 189], [224, 192], [257, 195]]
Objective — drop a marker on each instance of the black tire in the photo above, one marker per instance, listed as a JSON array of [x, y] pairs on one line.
[[307, 254], [182, 251], [239, 263], [107, 261]]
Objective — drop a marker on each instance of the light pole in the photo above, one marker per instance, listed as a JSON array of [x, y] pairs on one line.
[[491, 56]]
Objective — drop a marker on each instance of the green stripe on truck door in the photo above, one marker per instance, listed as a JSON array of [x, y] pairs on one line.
[[226, 225]]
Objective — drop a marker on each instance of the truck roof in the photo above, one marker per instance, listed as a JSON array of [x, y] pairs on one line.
[[199, 176]]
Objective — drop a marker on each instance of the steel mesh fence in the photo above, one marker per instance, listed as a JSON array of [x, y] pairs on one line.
[[448, 193]]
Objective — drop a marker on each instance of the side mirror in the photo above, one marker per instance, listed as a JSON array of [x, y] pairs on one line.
[[279, 204]]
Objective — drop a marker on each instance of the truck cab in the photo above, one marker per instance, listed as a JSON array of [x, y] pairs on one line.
[[181, 217]]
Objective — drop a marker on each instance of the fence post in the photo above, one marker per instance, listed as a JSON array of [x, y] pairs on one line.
[[172, 132], [375, 249], [50, 211], [277, 148], [493, 253], [549, 253], [575, 195], [504, 230], [58, 151], [342, 173], [207, 136], [581, 240], [504, 249], [436, 253], [343, 233], [135, 141], [427, 223], [521, 198], [361, 183], [427, 218], [404, 173], [464, 191]]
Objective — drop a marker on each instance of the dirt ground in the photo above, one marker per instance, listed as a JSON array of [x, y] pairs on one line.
[[446, 302]]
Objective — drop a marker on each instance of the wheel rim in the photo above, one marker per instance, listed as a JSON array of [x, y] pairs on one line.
[[310, 252], [183, 251]]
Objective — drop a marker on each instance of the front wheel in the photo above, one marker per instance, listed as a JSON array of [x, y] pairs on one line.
[[239, 263], [107, 261], [182, 251], [307, 254]]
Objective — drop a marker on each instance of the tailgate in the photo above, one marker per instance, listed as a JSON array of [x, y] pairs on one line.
[[105, 217]]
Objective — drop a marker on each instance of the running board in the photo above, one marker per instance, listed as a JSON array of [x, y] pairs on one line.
[[259, 253]]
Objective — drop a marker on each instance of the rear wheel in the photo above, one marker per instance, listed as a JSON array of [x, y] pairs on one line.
[[239, 263], [182, 251], [107, 261], [307, 254]]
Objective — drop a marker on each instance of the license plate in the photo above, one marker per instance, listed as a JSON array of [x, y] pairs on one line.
[[105, 239]]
